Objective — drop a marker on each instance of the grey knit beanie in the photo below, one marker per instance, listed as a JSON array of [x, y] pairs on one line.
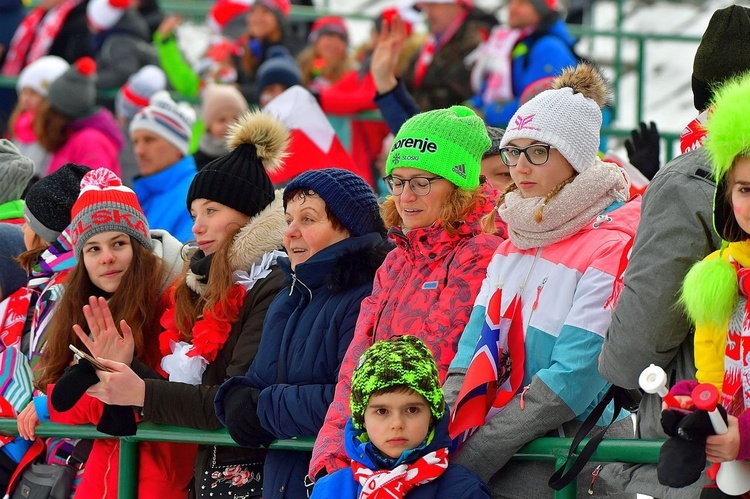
[[496, 137], [74, 93], [15, 172]]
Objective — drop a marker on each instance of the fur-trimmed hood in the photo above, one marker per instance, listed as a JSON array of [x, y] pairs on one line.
[[262, 234], [169, 249]]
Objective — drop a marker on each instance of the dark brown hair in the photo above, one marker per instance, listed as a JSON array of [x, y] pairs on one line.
[[303, 193]]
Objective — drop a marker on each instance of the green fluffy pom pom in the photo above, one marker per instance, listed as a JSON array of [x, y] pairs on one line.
[[709, 292]]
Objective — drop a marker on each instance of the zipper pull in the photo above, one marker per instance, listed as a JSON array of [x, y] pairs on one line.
[[538, 293], [294, 281], [594, 474], [523, 394]]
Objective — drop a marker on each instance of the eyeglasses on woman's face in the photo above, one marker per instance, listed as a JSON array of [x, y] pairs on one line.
[[420, 186], [536, 154]]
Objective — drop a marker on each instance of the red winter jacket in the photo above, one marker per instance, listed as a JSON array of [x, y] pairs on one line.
[[165, 469], [425, 287]]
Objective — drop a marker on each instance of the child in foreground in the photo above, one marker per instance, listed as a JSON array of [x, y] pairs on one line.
[[715, 291], [397, 437]]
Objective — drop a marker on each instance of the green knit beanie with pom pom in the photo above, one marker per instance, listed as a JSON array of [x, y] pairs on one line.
[[728, 136]]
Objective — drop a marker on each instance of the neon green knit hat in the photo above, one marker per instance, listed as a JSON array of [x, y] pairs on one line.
[[401, 361], [728, 136], [447, 142]]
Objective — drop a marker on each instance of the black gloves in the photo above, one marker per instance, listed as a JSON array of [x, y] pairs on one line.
[[241, 417], [116, 420], [643, 149], [682, 458], [72, 385]]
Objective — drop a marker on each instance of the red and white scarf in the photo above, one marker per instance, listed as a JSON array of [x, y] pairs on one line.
[[492, 61], [431, 47], [34, 36], [396, 483], [694, 133], [13, 314]]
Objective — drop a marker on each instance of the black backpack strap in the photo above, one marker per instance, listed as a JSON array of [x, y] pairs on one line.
[[563, 477]]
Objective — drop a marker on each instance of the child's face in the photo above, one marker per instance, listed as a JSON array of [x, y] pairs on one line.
[[397, 421], [496, 172], [740, 185], [219, 126]]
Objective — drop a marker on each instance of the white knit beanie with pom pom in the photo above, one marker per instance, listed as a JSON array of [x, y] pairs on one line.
[[568, 117]]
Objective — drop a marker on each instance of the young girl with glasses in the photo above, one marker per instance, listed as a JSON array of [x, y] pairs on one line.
[[552, 286], [426, 285]]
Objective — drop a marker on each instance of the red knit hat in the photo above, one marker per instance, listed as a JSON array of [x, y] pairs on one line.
[[224, 11], [104, 205]]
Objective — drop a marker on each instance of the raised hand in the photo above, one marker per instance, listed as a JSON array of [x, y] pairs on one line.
[[168, 26], [386, 54], [105, 340], [643, 149]]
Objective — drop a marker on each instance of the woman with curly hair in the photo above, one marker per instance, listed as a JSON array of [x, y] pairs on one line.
[[426, 285]]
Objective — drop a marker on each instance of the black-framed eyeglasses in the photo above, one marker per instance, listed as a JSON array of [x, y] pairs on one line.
[[536, 154], [420, 186]]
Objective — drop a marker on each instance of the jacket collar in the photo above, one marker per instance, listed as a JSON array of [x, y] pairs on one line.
[[262, 234], [147, 186], [320, 269], [433, 242]]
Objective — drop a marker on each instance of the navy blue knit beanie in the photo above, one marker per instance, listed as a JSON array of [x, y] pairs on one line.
[[279, 67], [347, 195]]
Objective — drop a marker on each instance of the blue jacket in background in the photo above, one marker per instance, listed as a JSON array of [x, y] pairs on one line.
[[544, 53], [162, 196], [456, 482], [306, 333], [396, 106]]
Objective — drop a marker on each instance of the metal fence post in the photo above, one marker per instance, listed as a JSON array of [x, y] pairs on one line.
[[127, 478]]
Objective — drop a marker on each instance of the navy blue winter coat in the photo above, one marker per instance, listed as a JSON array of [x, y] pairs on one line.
[[456, 482], [307, 330]]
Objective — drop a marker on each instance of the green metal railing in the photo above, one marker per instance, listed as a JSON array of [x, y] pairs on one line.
[[542, 449]]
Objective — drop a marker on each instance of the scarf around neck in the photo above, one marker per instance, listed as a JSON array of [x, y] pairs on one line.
[[213, 146], [694, 133], [569, 211], [396, 483]]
